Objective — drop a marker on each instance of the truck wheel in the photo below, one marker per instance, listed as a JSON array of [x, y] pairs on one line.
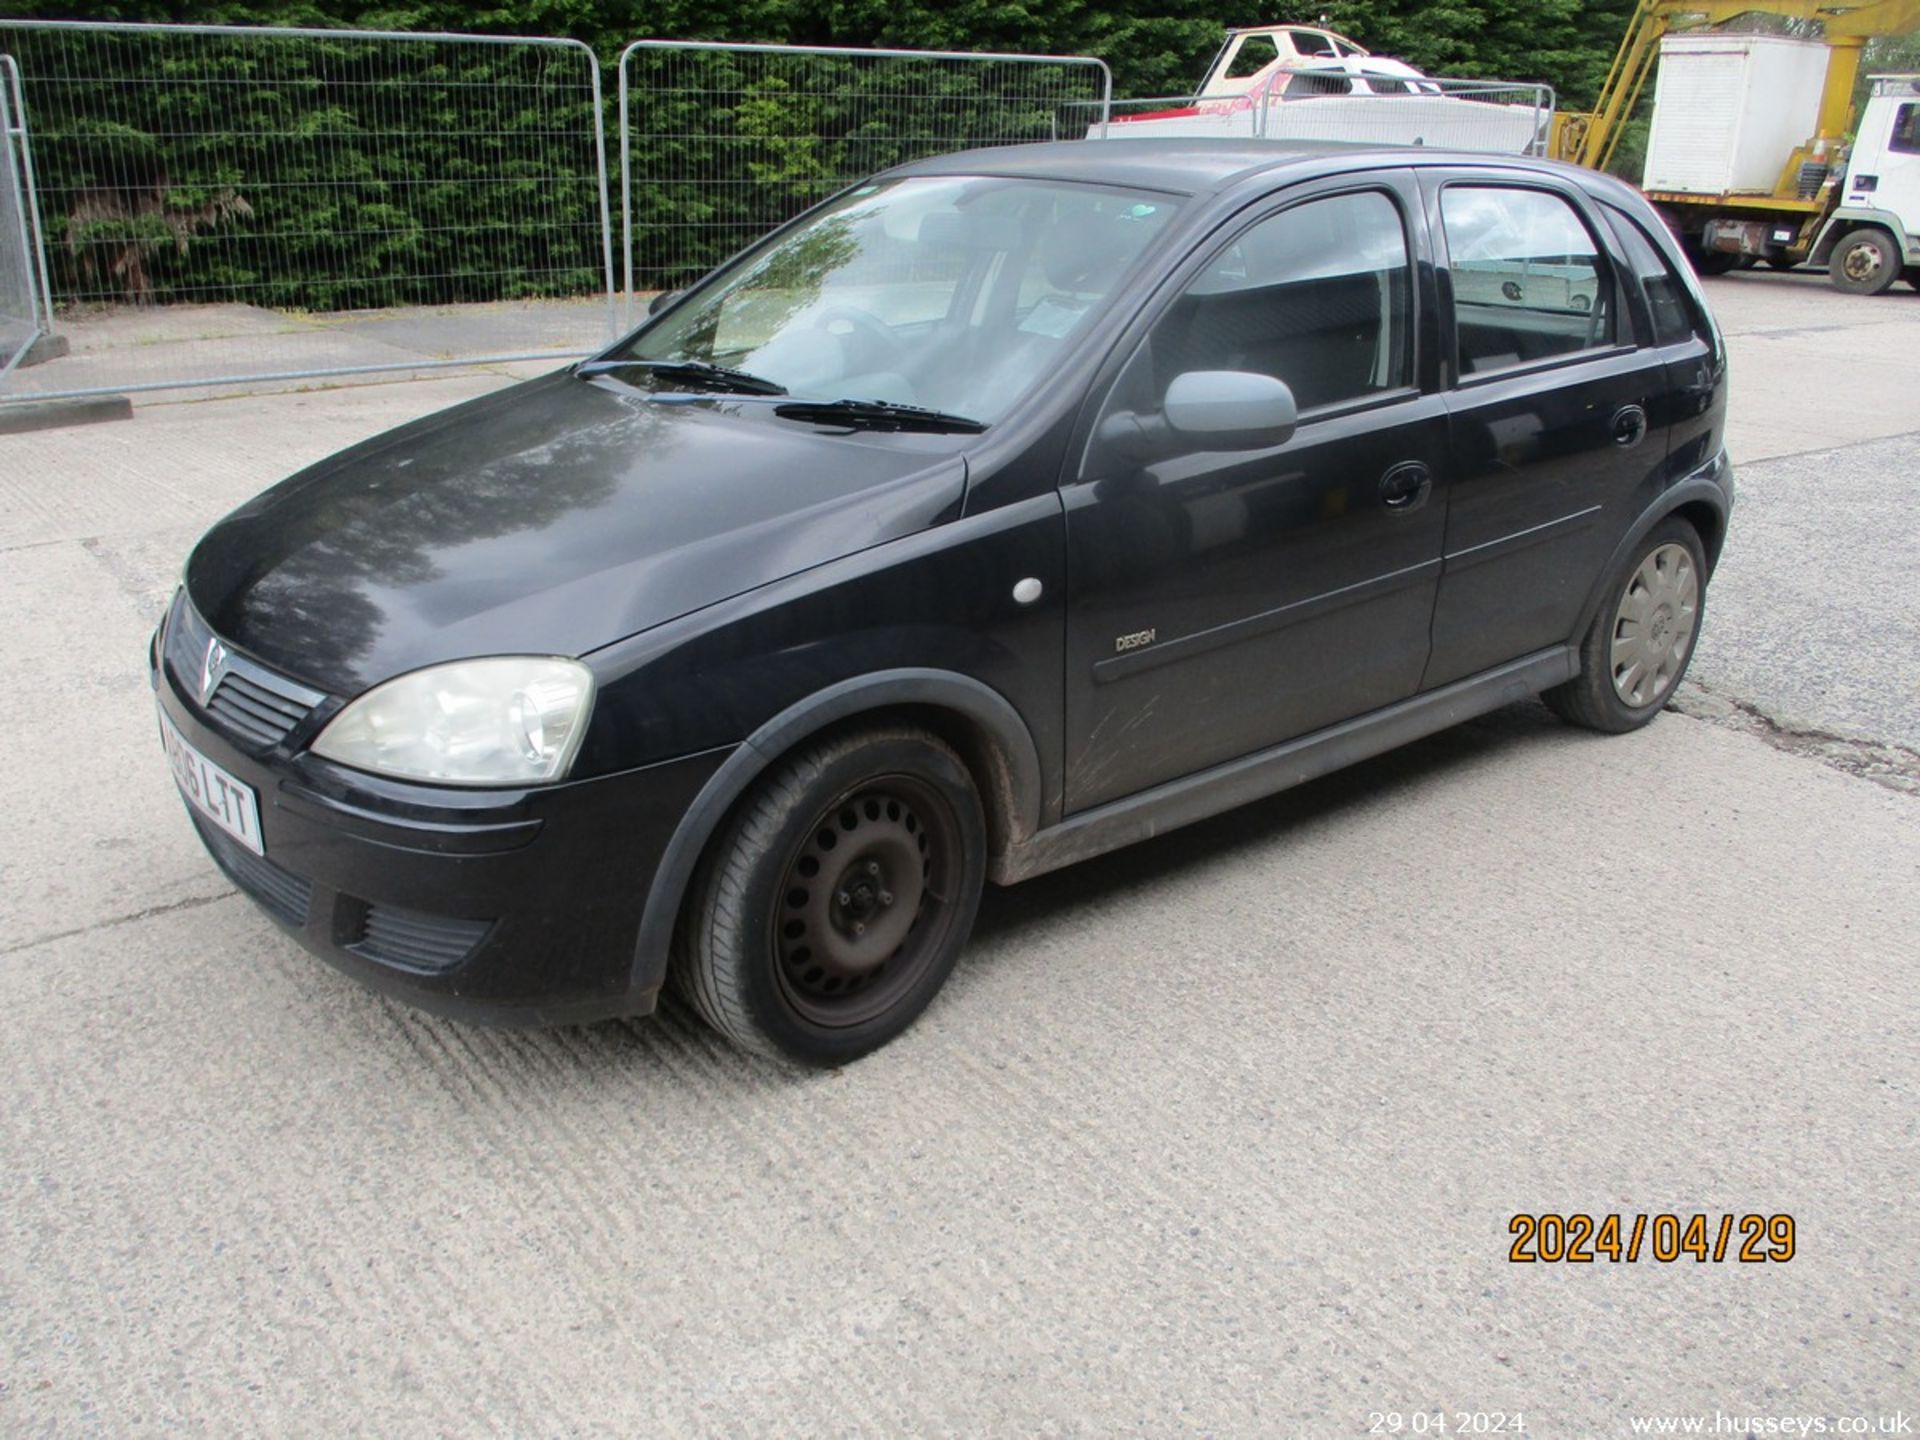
[[832, 906], [1865, 262], [1639, 643], [1782, 262], [1713, 262]]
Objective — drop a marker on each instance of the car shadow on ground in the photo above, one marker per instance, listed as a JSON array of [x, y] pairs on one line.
[[673, 1053], [675, 1043], [1004, 913]]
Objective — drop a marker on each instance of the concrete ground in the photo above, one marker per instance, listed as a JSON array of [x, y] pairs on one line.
[[121, 348], [1219, 1135]]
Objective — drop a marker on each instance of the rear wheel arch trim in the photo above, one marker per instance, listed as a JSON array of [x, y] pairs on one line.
[[1012, 816], [1686, 500]]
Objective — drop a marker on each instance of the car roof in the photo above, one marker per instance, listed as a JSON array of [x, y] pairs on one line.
[[1200, 166], [1184, 166]]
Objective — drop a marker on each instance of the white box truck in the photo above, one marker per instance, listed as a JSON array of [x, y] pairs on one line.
[[1753, 154], [1730, 166], [1729, 109]]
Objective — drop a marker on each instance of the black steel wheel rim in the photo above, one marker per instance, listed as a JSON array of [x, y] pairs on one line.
[[866, 901]]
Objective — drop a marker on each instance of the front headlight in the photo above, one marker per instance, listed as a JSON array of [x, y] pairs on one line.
[[512, 720]]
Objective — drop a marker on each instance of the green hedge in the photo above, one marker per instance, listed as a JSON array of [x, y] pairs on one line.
[[339, 175]]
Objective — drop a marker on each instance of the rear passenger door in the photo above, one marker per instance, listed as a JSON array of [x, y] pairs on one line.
[[1549, 399], [1693, 409]]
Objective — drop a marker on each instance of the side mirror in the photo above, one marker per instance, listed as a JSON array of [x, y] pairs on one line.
[[662, 301], [1231, 410]]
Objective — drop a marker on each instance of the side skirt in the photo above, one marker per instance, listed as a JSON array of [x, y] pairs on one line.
[[1267, 772]]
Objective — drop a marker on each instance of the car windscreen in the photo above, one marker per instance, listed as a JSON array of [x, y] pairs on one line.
[[954, 293]]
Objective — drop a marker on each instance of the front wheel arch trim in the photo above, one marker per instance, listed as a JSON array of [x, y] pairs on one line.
[[979, 705]]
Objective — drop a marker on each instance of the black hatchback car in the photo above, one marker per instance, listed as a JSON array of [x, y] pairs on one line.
[[1004, 509]]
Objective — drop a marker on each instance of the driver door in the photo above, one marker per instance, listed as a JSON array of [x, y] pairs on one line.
[[1222, 601]]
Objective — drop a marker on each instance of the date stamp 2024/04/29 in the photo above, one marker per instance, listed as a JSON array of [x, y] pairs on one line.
[[1582, 1239]]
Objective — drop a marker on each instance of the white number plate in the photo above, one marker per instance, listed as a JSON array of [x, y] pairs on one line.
[[211, 790]]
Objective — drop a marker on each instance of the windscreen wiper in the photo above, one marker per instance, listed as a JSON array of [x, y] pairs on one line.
[[698, 374], [878, 415]]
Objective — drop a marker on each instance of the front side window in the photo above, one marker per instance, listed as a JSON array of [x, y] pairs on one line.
[[1311, 42], [1528, 284], [1906, 130], [952, 293], [1319, 296]]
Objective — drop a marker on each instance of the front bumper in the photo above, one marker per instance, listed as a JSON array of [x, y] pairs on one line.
[[516, 907]]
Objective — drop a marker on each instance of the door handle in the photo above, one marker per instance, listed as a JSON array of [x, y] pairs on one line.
[[1629, 426], [1405, 487]]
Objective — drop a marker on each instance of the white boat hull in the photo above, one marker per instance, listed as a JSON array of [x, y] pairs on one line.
[[1431, 120]]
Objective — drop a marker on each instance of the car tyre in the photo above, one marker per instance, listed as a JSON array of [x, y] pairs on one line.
[[1865, 262], [832, 905], [1636, 651]]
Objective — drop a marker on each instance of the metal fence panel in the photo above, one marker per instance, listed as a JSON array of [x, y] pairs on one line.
[[719, 143], [20, 311], [229, 203]]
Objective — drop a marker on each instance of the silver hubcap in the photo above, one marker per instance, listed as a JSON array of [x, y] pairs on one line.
[[1653, 628]]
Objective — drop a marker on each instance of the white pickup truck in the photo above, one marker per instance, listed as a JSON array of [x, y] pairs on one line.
[[1298, 82]]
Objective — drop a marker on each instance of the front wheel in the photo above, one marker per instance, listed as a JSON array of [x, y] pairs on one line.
[[833, 905], [1637, 648], [1865, 262]]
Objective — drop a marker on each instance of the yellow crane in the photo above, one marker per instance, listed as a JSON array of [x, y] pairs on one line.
[[1796, 219], [1590, 140]]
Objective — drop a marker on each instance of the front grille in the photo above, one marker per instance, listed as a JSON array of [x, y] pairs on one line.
[[415, 938], [250, 703], [280, 893], [250, 709]]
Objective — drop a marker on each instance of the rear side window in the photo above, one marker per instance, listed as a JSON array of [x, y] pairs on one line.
[[1311, 42], [1528, 283], [1906, 130], [1673, 314]]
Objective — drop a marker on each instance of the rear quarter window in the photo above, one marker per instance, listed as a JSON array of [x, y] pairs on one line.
[[1674, 317]]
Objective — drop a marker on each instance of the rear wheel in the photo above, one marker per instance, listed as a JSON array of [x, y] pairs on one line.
[[1712, 262], [1865, 262], [1637, 648], [832, 907], [1782, 262]]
